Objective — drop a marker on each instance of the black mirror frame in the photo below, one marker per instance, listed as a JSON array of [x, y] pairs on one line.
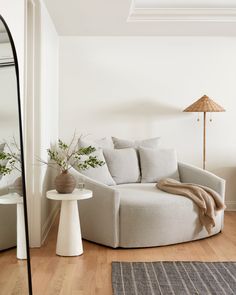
[[22, 154]]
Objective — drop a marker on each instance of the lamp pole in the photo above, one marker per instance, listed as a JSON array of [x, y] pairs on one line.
[[204, 105], [204, 140]]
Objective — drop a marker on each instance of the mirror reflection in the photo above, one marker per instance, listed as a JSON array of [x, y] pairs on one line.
[[13, 267]]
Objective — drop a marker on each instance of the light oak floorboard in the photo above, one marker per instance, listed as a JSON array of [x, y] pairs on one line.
[[90, 273], [13, 274]]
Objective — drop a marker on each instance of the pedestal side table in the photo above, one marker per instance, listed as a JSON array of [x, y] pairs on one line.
[[10, 199], [69, 241]]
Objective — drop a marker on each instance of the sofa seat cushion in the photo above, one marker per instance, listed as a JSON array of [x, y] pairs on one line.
[[150, 217]]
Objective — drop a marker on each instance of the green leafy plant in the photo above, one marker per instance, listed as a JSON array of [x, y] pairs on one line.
[[70, 155], [10, 158]]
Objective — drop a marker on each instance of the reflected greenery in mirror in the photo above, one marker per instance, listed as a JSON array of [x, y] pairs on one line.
[[10, 158]]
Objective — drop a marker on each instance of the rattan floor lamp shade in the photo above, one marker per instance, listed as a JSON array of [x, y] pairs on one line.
[[204, 105]]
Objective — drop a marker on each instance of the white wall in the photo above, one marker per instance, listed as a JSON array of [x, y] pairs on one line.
[[42, 116], [49, 110], [137, 87], [40, 104], [14, 14], [9, 124]]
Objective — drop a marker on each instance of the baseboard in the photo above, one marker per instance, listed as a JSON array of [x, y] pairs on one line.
[[230, 205], [49, 222]]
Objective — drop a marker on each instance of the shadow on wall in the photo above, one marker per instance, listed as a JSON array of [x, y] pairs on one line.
[[6, 117], [52, 171], [144, 109], [138, 113], [50, 175], [48, 184]]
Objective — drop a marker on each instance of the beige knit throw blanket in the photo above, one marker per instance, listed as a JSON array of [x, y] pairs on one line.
[[207, 200]]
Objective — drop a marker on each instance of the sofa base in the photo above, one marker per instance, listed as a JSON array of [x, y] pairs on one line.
[[154, 246], [138, 215], [150, 217]]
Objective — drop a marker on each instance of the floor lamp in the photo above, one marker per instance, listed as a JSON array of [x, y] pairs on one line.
[[204, 105]]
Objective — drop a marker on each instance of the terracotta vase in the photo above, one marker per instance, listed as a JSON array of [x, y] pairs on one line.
[[65, 183]]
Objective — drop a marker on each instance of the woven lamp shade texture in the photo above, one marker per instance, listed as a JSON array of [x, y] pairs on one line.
[[204, 104]]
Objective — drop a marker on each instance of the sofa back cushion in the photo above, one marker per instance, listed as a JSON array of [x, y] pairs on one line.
[[148, 143], [100, 143], [123, 165], [157, 164], [101, 173]]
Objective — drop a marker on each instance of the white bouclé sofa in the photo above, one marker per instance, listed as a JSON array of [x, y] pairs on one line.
[[139, 215], [7, 218]]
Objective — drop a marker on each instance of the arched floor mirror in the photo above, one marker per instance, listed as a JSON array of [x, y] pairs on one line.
[[15, 270]]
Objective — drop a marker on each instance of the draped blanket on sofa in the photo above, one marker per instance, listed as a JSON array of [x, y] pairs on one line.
[[207, 200]]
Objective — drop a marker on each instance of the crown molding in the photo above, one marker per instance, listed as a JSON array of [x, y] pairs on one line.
[[182, 14]]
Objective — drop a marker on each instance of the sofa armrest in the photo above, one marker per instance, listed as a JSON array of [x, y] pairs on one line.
[[191, 174], [4, 190], [99, 216]]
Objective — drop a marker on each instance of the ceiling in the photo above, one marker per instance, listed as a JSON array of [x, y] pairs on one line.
[[109, 17], [185, 3]]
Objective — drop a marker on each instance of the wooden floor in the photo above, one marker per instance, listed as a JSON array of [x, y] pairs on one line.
[[91, 272], [13, 274]]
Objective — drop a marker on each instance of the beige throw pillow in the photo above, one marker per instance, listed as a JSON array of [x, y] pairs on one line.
[[157, 164], [101, 173], [123, 165], [148, 143], [97, 143]]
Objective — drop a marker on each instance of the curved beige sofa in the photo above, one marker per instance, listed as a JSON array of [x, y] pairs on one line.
[[140, 215]]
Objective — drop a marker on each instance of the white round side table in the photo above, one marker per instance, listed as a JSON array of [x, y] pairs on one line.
[[69, 241], [14, 198]]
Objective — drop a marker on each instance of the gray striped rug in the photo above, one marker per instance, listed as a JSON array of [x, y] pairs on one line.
[[178, 278]]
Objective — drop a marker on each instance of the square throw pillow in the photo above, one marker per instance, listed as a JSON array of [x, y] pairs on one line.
[[157, 164], [123, 165], [148, 143], [100, 173], [97, 143]]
